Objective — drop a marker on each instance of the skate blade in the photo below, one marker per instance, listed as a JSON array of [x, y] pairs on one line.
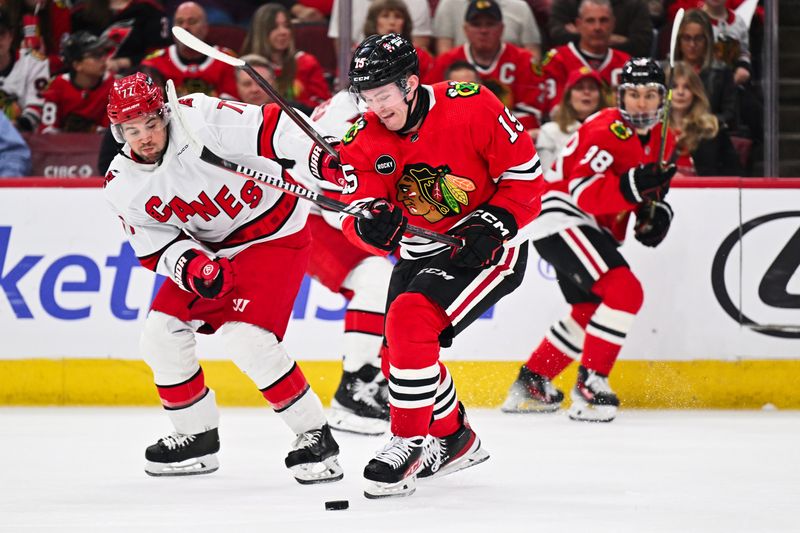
[[468, 460], [342, 420], [376, 490], [190, 467], [529, 406], [585, 412], [327, 471]]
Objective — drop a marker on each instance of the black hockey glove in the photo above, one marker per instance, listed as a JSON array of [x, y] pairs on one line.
[[207, 278], [646, 182], [385, 229], [25, 124], [484, 233], [652, 223]]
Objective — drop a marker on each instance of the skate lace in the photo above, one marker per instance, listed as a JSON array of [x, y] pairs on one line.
[[396, 452], [597, 383], [549, 388], [176, 440], [307, 439], [365, 392], [432, 454]]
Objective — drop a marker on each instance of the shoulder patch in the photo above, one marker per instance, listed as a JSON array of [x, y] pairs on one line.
[[350, 136], [622, 131], [461, 88], [548, 57], [157, 53]]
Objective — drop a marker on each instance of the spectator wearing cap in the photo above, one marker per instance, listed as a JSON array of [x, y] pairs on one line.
[[583, 96], [594, 24], [519, 28], [15, 156], [191, 71], [505, 69], [76, 100], [23, 76], [633, 27]]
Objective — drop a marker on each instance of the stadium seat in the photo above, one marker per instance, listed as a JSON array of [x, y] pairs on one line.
[[312, 37], [743, 147], [226, 35]]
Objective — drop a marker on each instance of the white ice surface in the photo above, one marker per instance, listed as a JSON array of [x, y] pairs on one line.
[[80, 470]]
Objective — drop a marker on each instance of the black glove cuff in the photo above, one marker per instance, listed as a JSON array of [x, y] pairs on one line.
[[181, 273]]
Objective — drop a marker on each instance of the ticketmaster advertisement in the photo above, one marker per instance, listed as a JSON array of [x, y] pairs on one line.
[[724, 285]]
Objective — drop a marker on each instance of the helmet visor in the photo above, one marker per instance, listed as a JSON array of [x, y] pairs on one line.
[[379, 98], [140, 127]]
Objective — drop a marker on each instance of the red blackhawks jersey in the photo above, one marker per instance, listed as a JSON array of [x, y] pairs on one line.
[[182, 202], [72, 109], [588, 173], [560, 61], [510, 77], [470, 150], [210, 77]]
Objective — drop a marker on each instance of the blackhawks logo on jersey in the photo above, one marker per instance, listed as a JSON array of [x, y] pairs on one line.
[[621, 130], [462, 88], [353, 131], [433, 193]]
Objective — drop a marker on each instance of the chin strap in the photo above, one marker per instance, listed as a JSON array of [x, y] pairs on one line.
[[416, 113]]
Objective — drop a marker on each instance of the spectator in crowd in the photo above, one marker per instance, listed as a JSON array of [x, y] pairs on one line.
[[76, 101], [704, 149], [23, 76], [249, 91], [731, 39], [15, 156], [150, 30], [420, 12], [520, 26], [505, 69], [191, 71], [298, 75], [39, 25], [392, 16], [695, 47], [310, 10], [633, 28], [583, 96], [594, 25], [462, 71]]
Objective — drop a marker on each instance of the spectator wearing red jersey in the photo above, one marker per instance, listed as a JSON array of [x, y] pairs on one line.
[[191, 71], [392, 16], [505, 69], [76, 101], [298, 75], [594, 24]]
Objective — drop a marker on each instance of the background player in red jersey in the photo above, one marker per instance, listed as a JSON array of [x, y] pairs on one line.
[[609, 170], [449, 158], [235, 254]]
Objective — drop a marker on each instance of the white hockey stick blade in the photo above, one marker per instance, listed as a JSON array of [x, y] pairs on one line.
[[204, 48], [673, 40]]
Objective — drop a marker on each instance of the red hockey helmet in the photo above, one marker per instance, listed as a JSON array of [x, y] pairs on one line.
[[132, 97]]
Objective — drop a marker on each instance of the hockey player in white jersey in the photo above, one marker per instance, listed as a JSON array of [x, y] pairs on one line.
[[234, 252], [361, 401]]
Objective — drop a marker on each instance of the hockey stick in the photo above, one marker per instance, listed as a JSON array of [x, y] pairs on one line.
[[206, 49], [294, 189], [668, 100]]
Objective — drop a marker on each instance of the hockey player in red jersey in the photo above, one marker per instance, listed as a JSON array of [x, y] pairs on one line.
[[609, 170], [449, 158], [235, 254]]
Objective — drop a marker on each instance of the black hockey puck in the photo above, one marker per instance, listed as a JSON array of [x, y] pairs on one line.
[[337, 505]]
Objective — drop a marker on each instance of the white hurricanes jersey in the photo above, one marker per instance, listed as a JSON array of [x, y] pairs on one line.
[[24, 84], [183, 202]]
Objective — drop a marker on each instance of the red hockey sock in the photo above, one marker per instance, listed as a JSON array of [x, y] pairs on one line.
[[287, 389], [184, 394], [445, 409], [363, 322], [563, 342]]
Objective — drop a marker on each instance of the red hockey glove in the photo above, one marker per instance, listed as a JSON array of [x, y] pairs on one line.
[[324, 166], [652, 223], [207, 278], [385, 229], [484, 232], [646, 182]]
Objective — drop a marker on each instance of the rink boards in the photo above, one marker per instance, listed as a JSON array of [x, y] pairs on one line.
[[720, 326]]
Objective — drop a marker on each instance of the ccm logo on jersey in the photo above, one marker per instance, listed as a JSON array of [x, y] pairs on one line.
[[492, 220], [437, 272], [385, 164]]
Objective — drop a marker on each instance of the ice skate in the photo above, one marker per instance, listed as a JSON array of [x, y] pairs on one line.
[[392, 473], [361, 404], [313, 458], [445, 455], [532, 393], [592, 398], [183, 455]]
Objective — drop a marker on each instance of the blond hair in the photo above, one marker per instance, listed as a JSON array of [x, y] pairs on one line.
[[698, 123]]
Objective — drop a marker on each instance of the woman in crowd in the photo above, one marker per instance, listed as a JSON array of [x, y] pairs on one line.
[[298, 75], [705, 149], [392, 16], [583, 96]]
